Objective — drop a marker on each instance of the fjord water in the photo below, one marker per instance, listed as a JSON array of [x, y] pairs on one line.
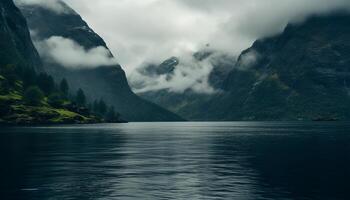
[[228, 160]]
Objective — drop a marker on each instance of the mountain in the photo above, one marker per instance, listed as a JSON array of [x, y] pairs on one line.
[[15, 42], [102, 81], [189, 104], [22, 79], [302, 73]]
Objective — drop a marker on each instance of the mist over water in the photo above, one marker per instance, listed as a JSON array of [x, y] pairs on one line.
[[176, 161]]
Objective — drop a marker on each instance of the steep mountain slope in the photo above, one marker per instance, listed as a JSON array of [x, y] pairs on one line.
[[301, 74], [15, 42], [21, 100], [107, 82]]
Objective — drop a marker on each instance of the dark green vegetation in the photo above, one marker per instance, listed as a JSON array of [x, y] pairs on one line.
[[27, 98], [300, 74], [99, 82], [27, 94]]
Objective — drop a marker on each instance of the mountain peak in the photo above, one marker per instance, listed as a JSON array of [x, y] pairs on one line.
[[58, 7]]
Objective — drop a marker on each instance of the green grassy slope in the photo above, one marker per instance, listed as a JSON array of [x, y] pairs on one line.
[[14, 109]]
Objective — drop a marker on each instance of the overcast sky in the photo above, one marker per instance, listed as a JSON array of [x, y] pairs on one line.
[[153, 30], [144, 31]]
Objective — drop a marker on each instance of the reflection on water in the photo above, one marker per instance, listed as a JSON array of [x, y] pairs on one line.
[[176, 161]]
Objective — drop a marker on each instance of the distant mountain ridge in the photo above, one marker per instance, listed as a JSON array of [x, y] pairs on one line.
[[107, 82], [300, 74], [189, 104]]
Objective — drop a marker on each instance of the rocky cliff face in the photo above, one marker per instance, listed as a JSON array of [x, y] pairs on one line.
[[107, 82], [16, 46]]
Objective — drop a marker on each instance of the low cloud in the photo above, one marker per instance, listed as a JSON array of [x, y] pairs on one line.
[[189, 74], [140, 31], [144, 31], [70, 54], [55, 5], [247, 60]]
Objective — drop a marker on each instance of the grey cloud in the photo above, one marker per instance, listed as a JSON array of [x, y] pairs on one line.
[[147, 30], [54, 5], [247, 60], [153, 30], [69, 54], [189, 74], [139, 31]]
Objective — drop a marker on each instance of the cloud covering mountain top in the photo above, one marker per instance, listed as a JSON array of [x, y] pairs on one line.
[[153, 30], [150, 31], [57, 6]]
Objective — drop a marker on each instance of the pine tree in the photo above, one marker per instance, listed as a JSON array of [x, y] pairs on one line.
[[64, 87], [28, 76], [111, 115], [33, 96], [81, 98], [90, 107], [46, 83], [102, 107], [95, 107], [56, 100]]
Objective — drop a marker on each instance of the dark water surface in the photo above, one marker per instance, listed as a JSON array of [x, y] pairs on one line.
[[176, 161]]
